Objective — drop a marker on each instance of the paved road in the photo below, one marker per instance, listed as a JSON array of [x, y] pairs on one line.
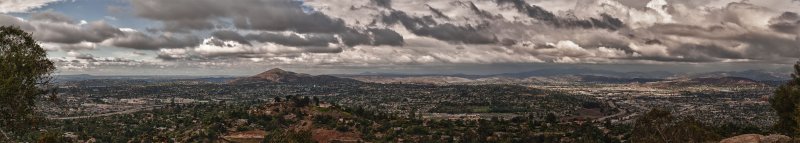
[[620, 113], [106, 114]]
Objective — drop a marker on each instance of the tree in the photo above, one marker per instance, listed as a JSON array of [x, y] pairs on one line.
[[24, 71], [52, 137], [315, 100], [659, 126], [785, 102], [283, 136], [551, 118], [651, 127], [588, 133]]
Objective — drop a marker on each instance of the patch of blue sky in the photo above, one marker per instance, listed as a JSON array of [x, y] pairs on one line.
[[305, 8], [94, 10]]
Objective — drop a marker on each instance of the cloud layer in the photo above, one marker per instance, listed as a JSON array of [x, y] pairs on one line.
[[393, 32], [7, 6]]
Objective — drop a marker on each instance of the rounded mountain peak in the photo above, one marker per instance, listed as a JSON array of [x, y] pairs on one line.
[[275, 71]]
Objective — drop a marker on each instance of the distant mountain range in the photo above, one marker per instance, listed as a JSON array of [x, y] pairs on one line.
[[750, 74], [723, 80], [711, 81], [758, 75], [81, 77], [584, 71], [277, 75], [570, 75], [582, 75]]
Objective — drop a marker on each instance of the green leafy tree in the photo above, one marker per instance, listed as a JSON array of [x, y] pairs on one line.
[[24, 71], [785, 102]]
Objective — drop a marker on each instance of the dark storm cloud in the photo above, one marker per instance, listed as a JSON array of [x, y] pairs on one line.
[[482, 13], [51, 28], [352, 38], [450, 32], [272, 15], [182, 9], [770, 46], [604, 22], [57, 28], [705, 52], [142, 41], [637, 4], [52, 17], [383, 3], [406, 20], [186, 26], [294, 21], [532, 11], [179, 15], [66, 33], [372, 36], [231, 35], [607, 22], [788, 22], [386, 37], [425, 26], [760, 45], [438, 13]]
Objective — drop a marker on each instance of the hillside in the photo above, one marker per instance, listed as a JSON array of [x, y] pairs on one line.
[[278, 75]]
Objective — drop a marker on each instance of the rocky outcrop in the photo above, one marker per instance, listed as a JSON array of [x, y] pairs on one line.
[[254, 136], [756, 138]]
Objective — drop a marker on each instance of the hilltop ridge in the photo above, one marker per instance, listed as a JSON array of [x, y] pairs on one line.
[[277, 75]]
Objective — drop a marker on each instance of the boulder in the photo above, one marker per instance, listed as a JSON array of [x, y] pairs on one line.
[[756, 138]]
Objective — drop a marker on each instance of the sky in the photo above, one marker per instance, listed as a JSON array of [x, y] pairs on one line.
[[244, 37]]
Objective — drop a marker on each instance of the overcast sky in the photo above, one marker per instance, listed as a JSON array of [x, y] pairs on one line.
[[243, 37]]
